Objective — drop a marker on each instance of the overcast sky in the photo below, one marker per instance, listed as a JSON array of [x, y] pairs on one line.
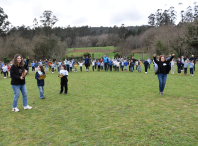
[[94, 13]]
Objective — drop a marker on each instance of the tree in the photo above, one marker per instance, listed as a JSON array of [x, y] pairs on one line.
[[48, 21], [151, 21], [4, 23]]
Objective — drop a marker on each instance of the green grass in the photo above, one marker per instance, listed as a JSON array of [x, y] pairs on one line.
[[103, 108], [95, 48]]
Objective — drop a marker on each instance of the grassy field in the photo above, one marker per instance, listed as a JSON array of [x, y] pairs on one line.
[[103, 108], [99, 52]]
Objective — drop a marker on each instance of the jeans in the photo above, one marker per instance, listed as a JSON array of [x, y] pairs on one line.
[[4, 73], [93, 68], [191, 71], [185, 70], [145, 68], [46, 68], [41, 91], [162, 81], [149, 66], [68, 68], [17, 89], [81, 68], [101, 67], [125, 68], [139, 68], [131, 69], [110, 67]]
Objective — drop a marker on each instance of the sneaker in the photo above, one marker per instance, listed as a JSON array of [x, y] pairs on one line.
[[145, 72], [60, 92], [27, 107], [162, 93], [193, 75], [65, 93], [15, 109]]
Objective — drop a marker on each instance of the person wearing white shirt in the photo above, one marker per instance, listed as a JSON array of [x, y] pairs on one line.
[[64, 79], [80, 64], [4, 69], [93, 64]]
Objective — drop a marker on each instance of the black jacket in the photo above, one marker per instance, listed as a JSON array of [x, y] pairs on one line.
[[39, 82], [163, 67], [15, 73]]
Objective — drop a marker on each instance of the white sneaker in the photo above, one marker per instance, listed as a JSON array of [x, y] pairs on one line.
[[145, 72], [27, 107], [192, 75], [15, 109]]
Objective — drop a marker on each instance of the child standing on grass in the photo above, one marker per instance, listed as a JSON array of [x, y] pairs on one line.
[[40, 82], [64, 79], [9, 66], [146, 65], [102, 64], [191, 67], [98, 64], [117, 65], [55, 65], [179, 65], [93, 65], [125, 64], [75, 67], [70, 66], [186, 64], [172, 66], [122, 65], [132, 65], [80, 64], [52, 66], [139, 65], [129, 63], [4, 69]]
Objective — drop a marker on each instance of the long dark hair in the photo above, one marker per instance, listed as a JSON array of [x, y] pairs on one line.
[[41, 67], [65, 68], [15, 63]]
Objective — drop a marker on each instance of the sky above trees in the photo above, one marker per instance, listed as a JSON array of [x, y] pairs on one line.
[[94, 13]]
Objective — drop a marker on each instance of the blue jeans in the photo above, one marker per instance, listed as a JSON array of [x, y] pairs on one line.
[[41, 91], [162, 81], [67, 68], [131, 69], [17, 89]]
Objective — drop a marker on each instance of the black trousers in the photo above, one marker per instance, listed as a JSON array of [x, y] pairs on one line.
[[194, 67], [185, 70], [179, 70], [52, 69], [110, 67], [106, 69], [81, 68], [33, 68], [71, 69], [98, 67], [64, 84], [66, 88], [93, 67]]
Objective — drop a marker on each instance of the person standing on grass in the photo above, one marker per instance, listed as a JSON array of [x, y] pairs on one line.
[[55, 65], [139, 65], [194, 60], [179, 65], [129, 65], [52, 66], [64, 79], [149, 61], [98, 64], [59, 65], [186, 64], [49, 64], [80, 64], [132, 65], [40, 83], [18, 82], [36, 66], [46, 65], [110, 64], [93, 64], [172, 66], [125, 64], [163, 70], [106, 61], [87, 64], [40, 62], [4, 69], [102, 65], [191, 68], [146, 65], [182, 60], [75, 67], [33, 66], [67, 64]]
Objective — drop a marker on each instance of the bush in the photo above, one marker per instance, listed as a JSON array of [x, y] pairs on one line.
[[87, 54]]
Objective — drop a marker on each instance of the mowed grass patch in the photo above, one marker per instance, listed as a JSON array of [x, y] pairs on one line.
[[103, 108]]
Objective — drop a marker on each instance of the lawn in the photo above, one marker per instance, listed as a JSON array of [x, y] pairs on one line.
[[103, 108], [99, 52]]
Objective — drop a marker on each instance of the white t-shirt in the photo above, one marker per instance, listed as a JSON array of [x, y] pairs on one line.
[[5, 68], [93, 63], [64, 72], [80, 64], [118, 64], [70, 65], [172, 63]]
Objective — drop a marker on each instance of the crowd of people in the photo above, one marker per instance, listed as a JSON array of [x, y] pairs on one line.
[[16, 68]]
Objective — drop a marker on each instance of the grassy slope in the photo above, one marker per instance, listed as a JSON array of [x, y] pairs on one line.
[[103, 108], [101, 54]]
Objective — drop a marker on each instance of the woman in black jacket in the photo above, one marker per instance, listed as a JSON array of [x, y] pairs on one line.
[[18, 82], [163, 70]]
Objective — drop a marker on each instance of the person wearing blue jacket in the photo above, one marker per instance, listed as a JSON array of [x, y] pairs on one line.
[[40, 83], [191, 68], [87, 64], [106, 61], [33, 67], [110, 64], [125, 64], [146, 65]]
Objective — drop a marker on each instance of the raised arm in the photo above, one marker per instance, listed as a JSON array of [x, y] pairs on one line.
[[155, 60], [169, 60]]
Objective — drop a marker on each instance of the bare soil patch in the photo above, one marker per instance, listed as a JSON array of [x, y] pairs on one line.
[[91, 51]]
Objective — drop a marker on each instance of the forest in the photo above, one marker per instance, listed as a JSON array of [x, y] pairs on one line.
[[43, 40]]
